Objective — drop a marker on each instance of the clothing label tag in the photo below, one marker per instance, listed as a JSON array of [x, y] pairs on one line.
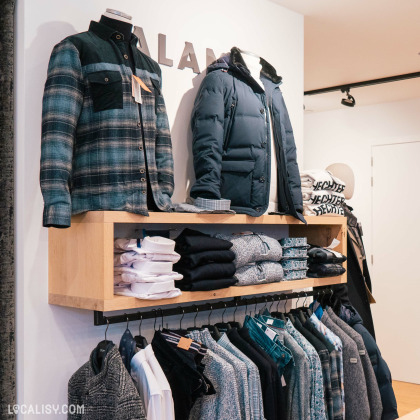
[[362, 352], [142, 84], [136, 89], [353, 360], [334, 244], [270, 333], [184, 343], [270, 321], [283, 381]]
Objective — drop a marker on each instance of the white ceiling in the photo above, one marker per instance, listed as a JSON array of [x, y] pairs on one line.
[[355, 40]]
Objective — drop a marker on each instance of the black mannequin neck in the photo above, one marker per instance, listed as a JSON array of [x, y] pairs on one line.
[[122, 27]]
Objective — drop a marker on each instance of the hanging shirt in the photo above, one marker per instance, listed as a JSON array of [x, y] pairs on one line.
[[167, 408], [147, 386]]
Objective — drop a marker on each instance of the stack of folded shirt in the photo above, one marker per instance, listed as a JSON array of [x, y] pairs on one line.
[[322, 193], [206, 262], [324, 262], [295, 258], [256, 258], [144, 269]]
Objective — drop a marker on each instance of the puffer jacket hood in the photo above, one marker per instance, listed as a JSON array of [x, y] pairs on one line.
[[350, 315], [231, 139], [233, 61]]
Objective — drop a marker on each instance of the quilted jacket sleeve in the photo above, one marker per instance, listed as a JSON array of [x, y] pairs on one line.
[[164, 159], [207, 125], [291, 160], [61, 107]]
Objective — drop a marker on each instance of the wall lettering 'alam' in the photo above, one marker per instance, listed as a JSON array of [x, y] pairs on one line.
[[188, 57]]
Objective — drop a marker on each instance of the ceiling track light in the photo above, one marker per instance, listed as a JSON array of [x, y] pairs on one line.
[[349, 101]]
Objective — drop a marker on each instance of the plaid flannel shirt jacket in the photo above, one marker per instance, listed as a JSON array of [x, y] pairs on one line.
[[92, 153]]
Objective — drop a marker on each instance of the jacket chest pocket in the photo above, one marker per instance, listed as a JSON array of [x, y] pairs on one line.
[[106, 90]]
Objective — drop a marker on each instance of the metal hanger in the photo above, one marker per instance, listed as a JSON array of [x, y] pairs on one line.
[[272, 302], [106, 329], [255, 308], [181, 330], [141, 341], [223, 326], [195, 319], [214, 331], [182, 317], [234, 323], [154, 325], [278, 314]]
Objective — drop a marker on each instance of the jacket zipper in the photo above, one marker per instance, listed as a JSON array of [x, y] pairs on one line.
[[232, 115], [280, 158]]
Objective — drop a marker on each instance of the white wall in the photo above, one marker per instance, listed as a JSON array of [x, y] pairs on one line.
[[347, 135], [52, 342]]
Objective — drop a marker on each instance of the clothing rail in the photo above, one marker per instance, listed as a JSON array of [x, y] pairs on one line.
[[101, 319]]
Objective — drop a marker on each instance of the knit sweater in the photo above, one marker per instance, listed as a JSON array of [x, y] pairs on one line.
[[107, 395]]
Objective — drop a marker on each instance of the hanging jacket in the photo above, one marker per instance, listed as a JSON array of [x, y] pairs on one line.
[[357, 290], [106, 392], [383, 375], [231, 139], [98, 146]]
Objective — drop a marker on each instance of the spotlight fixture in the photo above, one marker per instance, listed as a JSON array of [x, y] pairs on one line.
[[349, 101]]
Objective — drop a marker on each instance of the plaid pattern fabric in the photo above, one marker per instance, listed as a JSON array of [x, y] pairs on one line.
[[208, 204], [92, 153], [336, 365], [324, 357]]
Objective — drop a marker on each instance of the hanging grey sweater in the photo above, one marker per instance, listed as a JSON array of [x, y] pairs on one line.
[[374, 395], [355, 391]]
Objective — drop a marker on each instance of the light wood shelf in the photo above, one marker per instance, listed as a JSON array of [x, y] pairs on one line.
[[81, 257], [125, 302], [195, 218]]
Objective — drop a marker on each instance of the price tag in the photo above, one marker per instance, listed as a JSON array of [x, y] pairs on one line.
[[270, 333], [185, 343], [136, 89]]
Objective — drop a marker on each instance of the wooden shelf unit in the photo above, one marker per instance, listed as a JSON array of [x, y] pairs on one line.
[[81, 257]]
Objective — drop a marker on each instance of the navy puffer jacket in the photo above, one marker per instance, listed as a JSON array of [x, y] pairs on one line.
[[231, 139]]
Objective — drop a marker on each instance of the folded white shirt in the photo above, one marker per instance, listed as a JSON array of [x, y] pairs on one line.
[[153, 267], [126, 291], [150, 288], [129, 257], [321, 180], [131, 275], [168, 412], [322, 209], [322, 196], [149, 245]]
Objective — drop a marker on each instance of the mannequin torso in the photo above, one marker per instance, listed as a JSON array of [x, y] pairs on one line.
[[123, 25], [253, 63]]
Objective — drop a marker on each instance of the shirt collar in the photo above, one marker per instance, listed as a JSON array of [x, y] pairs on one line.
[[107, 33]]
